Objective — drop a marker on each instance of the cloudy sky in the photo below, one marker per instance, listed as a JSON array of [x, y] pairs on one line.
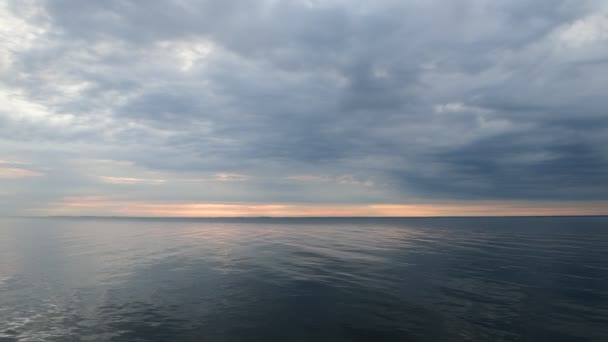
[[303, 107]]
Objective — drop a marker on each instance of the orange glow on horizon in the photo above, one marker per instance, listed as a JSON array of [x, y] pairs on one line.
[[101, 206]]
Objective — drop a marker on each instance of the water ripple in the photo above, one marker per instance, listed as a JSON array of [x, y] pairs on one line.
[[502, 279]]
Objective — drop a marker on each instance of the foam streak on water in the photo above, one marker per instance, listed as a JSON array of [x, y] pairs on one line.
[[449, 279]]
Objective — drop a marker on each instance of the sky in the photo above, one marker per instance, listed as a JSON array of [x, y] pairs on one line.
[[303, 107]]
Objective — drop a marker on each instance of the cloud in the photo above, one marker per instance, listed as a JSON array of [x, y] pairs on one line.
[[290, 101], [308, 178], [130, 180], [12, 162], [342, 179], [13, 172], [588, 30], [230, 177]]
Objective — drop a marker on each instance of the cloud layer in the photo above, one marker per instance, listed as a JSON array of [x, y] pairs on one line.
[[310, 102]]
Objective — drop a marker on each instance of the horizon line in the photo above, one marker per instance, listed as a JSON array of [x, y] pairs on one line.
[[296, 217]]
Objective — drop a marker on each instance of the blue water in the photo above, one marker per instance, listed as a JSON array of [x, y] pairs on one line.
[[448, 279]]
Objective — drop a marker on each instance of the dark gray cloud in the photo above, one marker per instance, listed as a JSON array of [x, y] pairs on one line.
[[426, 100]]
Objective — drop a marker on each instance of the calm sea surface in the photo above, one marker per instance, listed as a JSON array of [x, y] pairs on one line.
[[448, 279]]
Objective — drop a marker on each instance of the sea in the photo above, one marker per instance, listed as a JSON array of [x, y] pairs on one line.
[[304, 279]]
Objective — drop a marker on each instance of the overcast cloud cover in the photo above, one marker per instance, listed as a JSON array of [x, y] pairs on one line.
[[301, 101]]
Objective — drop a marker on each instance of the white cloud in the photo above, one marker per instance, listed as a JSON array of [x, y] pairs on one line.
[[589, 30], [17, 33], [131, 180], [189, 53]]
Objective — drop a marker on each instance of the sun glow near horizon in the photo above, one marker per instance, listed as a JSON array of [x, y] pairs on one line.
[[100, 206]]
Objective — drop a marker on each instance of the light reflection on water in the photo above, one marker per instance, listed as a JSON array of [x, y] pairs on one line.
[[493, 279]]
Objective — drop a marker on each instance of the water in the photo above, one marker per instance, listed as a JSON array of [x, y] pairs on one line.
[[449, 279]]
